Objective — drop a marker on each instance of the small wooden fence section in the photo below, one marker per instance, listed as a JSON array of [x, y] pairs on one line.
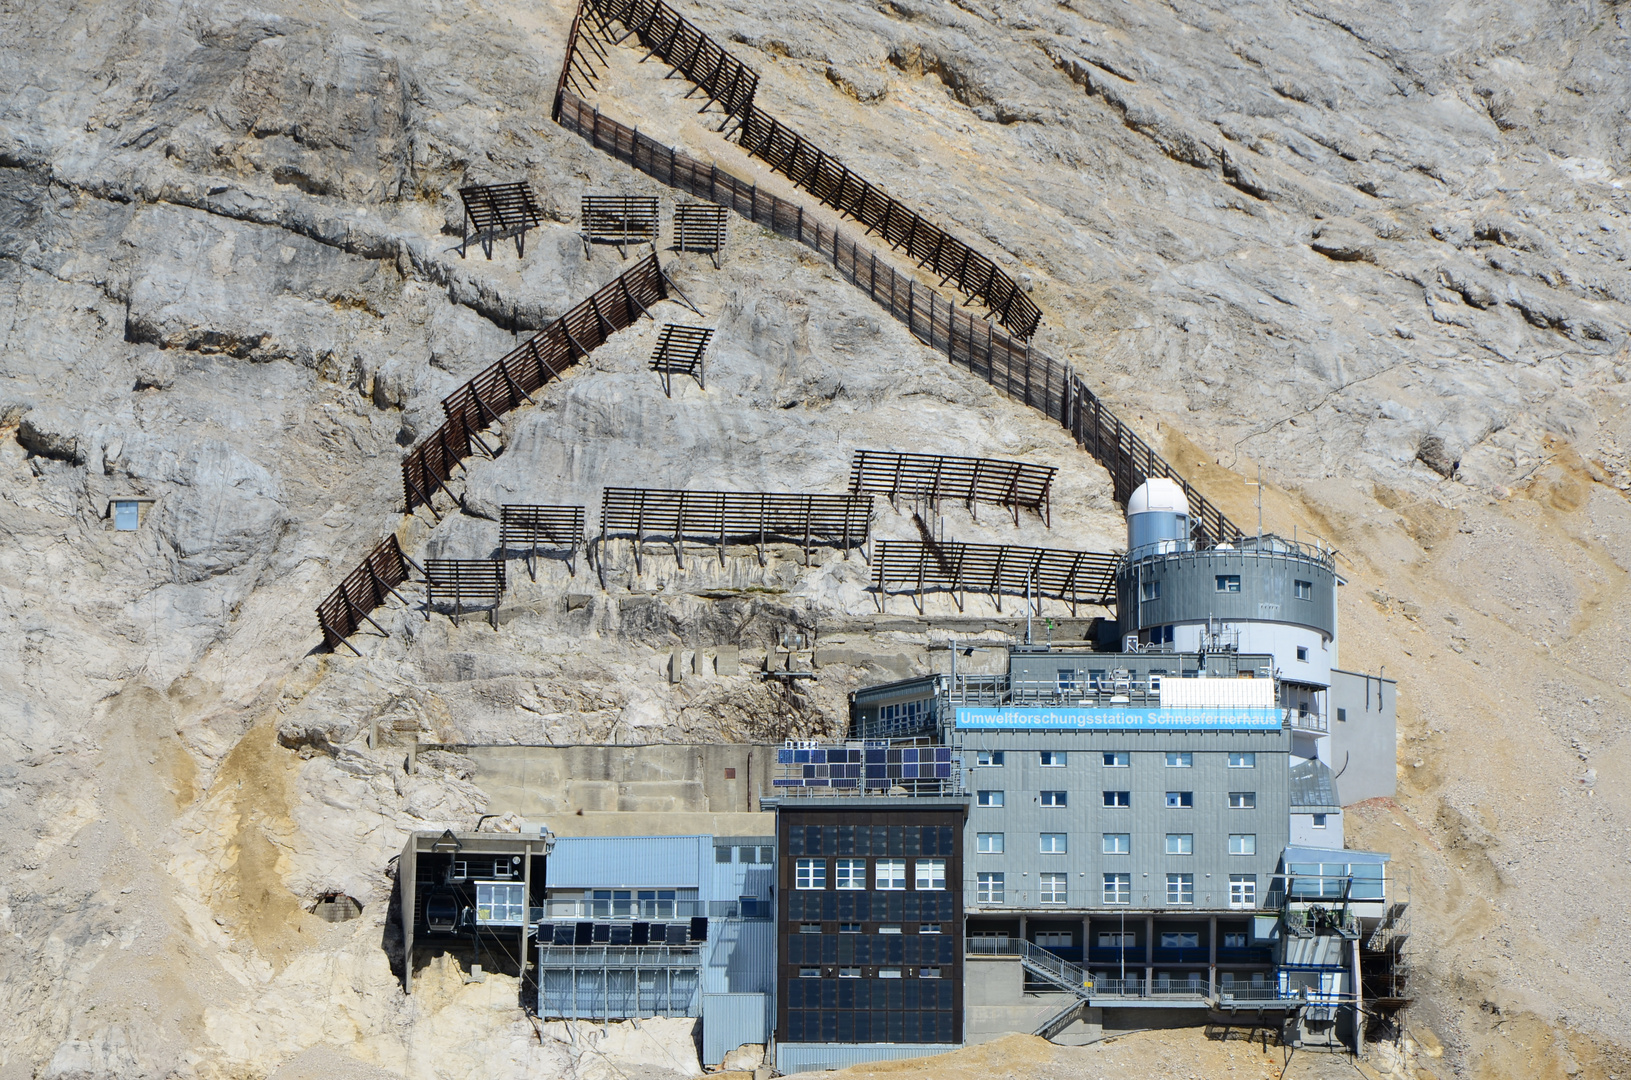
[[511, 380], [715, 517], [540, 528], [345, 609], [620, 220], [693, 54], [700, 227], [497, 211], [680, 351], [1080, 577], [465, 583], [973, 344], [1011, 484]]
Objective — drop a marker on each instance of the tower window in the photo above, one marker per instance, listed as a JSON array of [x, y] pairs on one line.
[[1228, 583], [1304, 590]]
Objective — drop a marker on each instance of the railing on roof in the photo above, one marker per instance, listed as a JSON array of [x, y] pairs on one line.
[[1011, 484], [1008, 364], [993, 569], [1269, 545]]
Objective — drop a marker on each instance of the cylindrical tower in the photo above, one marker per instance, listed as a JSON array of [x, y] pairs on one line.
[[1157, 518]]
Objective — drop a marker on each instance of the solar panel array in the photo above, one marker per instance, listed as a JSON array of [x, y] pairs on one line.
[[862, 767]]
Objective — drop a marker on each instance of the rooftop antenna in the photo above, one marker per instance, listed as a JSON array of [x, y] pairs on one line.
[[1259, 486], [1028, 577]]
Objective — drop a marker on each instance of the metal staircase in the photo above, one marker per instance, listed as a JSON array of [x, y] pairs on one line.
[[1063, 974]]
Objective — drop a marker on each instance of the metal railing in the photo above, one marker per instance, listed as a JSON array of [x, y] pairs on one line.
[[614, 956]]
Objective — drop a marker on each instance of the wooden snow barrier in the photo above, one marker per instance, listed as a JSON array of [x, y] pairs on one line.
[[620, 220], [1008, 364], [478, 582], [680, 351], [498, 211], [671, 37], [715, 517], [969, 480], [511, 380], [540, 528], [345, 609], [1086, 577], [700, 227]]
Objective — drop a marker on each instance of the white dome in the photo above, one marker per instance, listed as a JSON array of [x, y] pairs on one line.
[[1158, 495]]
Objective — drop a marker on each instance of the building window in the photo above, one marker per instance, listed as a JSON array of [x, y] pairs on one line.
[[1055, 939], [928, 973], [990, 889], [1243, 843], [1051, 888], [1180, 843], [1304, 590], [1177, 800], [1302, 653], [849, 973], [722, 854], [889, 973], [889, 874], [1117, 939], [1342, 716], [1234, 941], [931, 875], [851, 874], [1115, 759], [928, 928], [1228, 582], [849, 928], [989, 843], [1181, 939], [127, 515], [888, 929], [1118, 798], [1149, 590], [1242, 759], [1118, 843], [1243, 800], [810, 874], [1242, 891], [1053, 798], [1053, 759], [500, 904], [810, 928], [990, 798], [1053, 843], [1180, 888], [1118, 888], [809, 973], [1180, 759], [1066, 680], [988, 757], [1319, 821]]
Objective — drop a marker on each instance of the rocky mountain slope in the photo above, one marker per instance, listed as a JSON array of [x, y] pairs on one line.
[[1379, 252]]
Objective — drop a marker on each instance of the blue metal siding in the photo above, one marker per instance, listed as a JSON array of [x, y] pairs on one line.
[[601, 862], [730, 1021]]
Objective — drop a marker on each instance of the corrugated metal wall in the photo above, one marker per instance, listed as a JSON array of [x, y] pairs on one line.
[[806, 1057], [603, 862], [732, 1020]]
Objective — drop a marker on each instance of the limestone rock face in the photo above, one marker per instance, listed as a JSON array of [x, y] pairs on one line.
[[1379, 252]]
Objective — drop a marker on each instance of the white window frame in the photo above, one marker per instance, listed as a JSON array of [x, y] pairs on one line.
[[988, 843], [988, 759], [1180, 759], [1176, 800], [1242, 843], [930, 875], [889, 875], [991, 887], [500, 903], [1302, 590], [1181, 890], [1053, 759], [990, 797], [1054, 798], [1243, 759], [1118, 939], [1243, 891], [1052, 888], [849, 874], [1117, 759], [1180, 843], [1226, 583], [1318, 821], [1180, 939], [1118, 805], [1243, 800], [889, 973], [1118, 889], [1053, 843], [1116, 843], [810, 874]]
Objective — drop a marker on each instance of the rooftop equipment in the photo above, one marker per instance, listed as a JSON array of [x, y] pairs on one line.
[[1157, 518]]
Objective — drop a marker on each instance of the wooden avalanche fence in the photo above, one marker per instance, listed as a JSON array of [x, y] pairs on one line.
[[916, 567], [345, 609], [510, 381], [714, 517], [1011, 484], [971, 343]]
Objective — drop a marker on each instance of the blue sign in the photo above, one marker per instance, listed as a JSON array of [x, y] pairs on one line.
[[1023, 718]]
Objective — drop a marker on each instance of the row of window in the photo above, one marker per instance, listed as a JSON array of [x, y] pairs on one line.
[[1176, 800], [1116, 759], [883, 973], [1113, 939], [887, 874], [1112, 843], [1118, 889], [1225, 583]]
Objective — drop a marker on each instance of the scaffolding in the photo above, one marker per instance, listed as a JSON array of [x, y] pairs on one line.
[[614, 982]]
